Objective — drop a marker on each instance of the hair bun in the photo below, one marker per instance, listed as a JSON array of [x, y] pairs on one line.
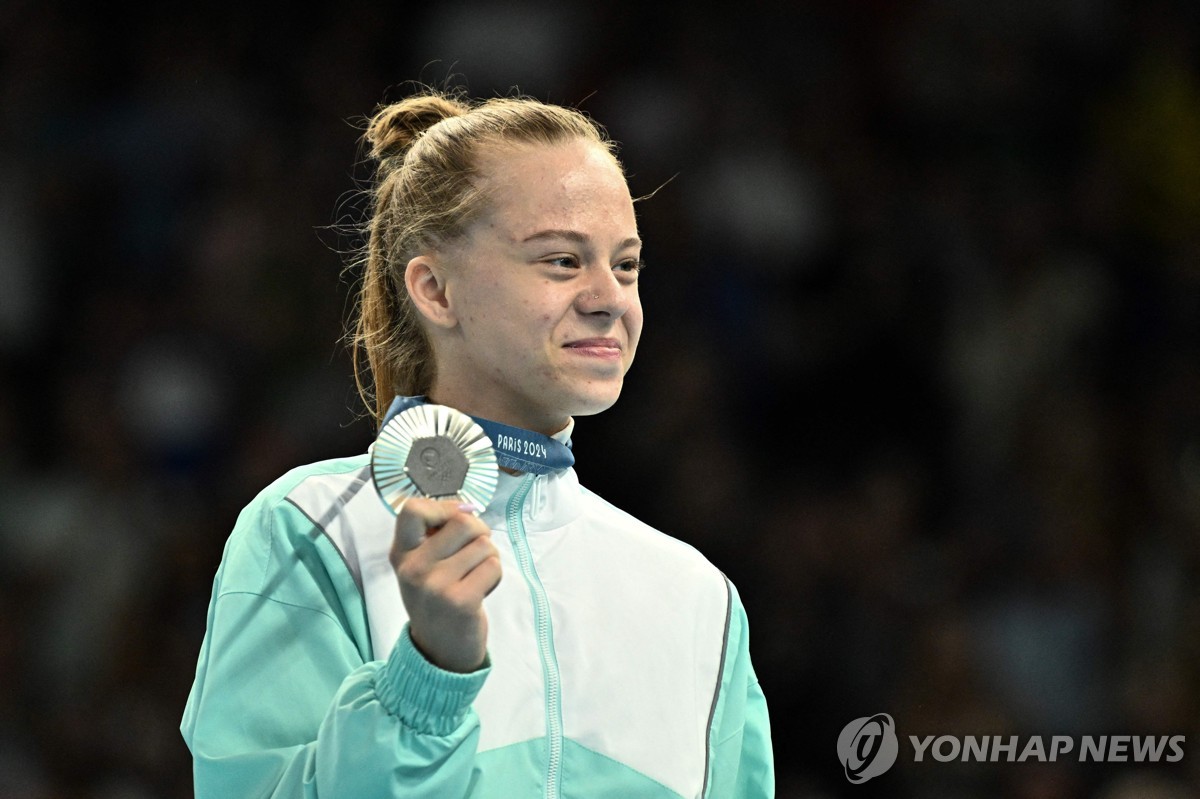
[[395, 127]]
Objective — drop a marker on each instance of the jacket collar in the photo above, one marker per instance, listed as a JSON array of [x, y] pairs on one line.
[[553, 501]]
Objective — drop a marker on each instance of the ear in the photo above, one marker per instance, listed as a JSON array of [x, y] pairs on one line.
[[426, 284]]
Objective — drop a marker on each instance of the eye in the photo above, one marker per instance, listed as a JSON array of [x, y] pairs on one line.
[[565, 261], [632, 266]]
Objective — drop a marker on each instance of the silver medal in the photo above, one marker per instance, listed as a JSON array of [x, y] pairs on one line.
[[433, 451]]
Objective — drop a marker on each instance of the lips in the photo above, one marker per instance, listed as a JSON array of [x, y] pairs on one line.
[[609, 343], [596, 347]]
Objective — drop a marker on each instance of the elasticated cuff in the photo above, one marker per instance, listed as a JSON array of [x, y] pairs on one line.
[[427, 699]]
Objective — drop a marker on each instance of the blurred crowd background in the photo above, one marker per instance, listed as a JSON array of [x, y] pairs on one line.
[[921, 369]]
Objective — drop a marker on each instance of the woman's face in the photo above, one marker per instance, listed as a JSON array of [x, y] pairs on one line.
[[543, 289]]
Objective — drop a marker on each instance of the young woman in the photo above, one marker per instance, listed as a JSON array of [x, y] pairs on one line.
[[353, 653]]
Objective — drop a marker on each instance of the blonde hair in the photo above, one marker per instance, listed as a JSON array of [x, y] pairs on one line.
[[425, 195]]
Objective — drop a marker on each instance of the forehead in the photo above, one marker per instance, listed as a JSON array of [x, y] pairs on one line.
[[573, 185]]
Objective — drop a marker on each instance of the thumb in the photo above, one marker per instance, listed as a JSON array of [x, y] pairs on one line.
[[413, 520], [417, 516]]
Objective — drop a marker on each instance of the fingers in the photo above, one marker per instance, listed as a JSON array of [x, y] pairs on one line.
[[454, 535], [469, 577], [418, 516], [445, 530], [466, 575], [485, 577], [462, 565]]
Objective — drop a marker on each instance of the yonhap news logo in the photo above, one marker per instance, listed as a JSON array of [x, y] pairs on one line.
[[868, 747]]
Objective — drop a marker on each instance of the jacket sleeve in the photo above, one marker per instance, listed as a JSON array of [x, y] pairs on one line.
[[286, 705], [742, 766]]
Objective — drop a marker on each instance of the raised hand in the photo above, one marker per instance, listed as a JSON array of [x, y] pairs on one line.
[[446, 564]]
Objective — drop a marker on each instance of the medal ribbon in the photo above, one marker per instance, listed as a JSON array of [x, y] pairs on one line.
[[516, 448]]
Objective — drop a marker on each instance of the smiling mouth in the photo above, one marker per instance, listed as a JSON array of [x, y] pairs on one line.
[[608, 348]]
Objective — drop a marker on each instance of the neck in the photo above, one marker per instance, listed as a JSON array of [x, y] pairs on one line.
[[546, 424]]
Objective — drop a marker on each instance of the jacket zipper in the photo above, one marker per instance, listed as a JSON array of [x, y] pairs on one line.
[[545, 635]]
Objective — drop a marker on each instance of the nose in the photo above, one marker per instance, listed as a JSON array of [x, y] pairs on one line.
[[604, 295]]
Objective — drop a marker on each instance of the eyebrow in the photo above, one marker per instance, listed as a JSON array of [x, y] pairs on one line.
[[576, 236]]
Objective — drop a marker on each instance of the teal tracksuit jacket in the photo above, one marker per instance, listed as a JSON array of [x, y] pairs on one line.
[[617, 659]]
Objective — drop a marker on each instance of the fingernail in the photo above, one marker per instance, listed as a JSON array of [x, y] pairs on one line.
[[469, 507]]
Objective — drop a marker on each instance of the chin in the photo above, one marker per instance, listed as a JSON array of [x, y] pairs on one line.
[[594, 402]]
